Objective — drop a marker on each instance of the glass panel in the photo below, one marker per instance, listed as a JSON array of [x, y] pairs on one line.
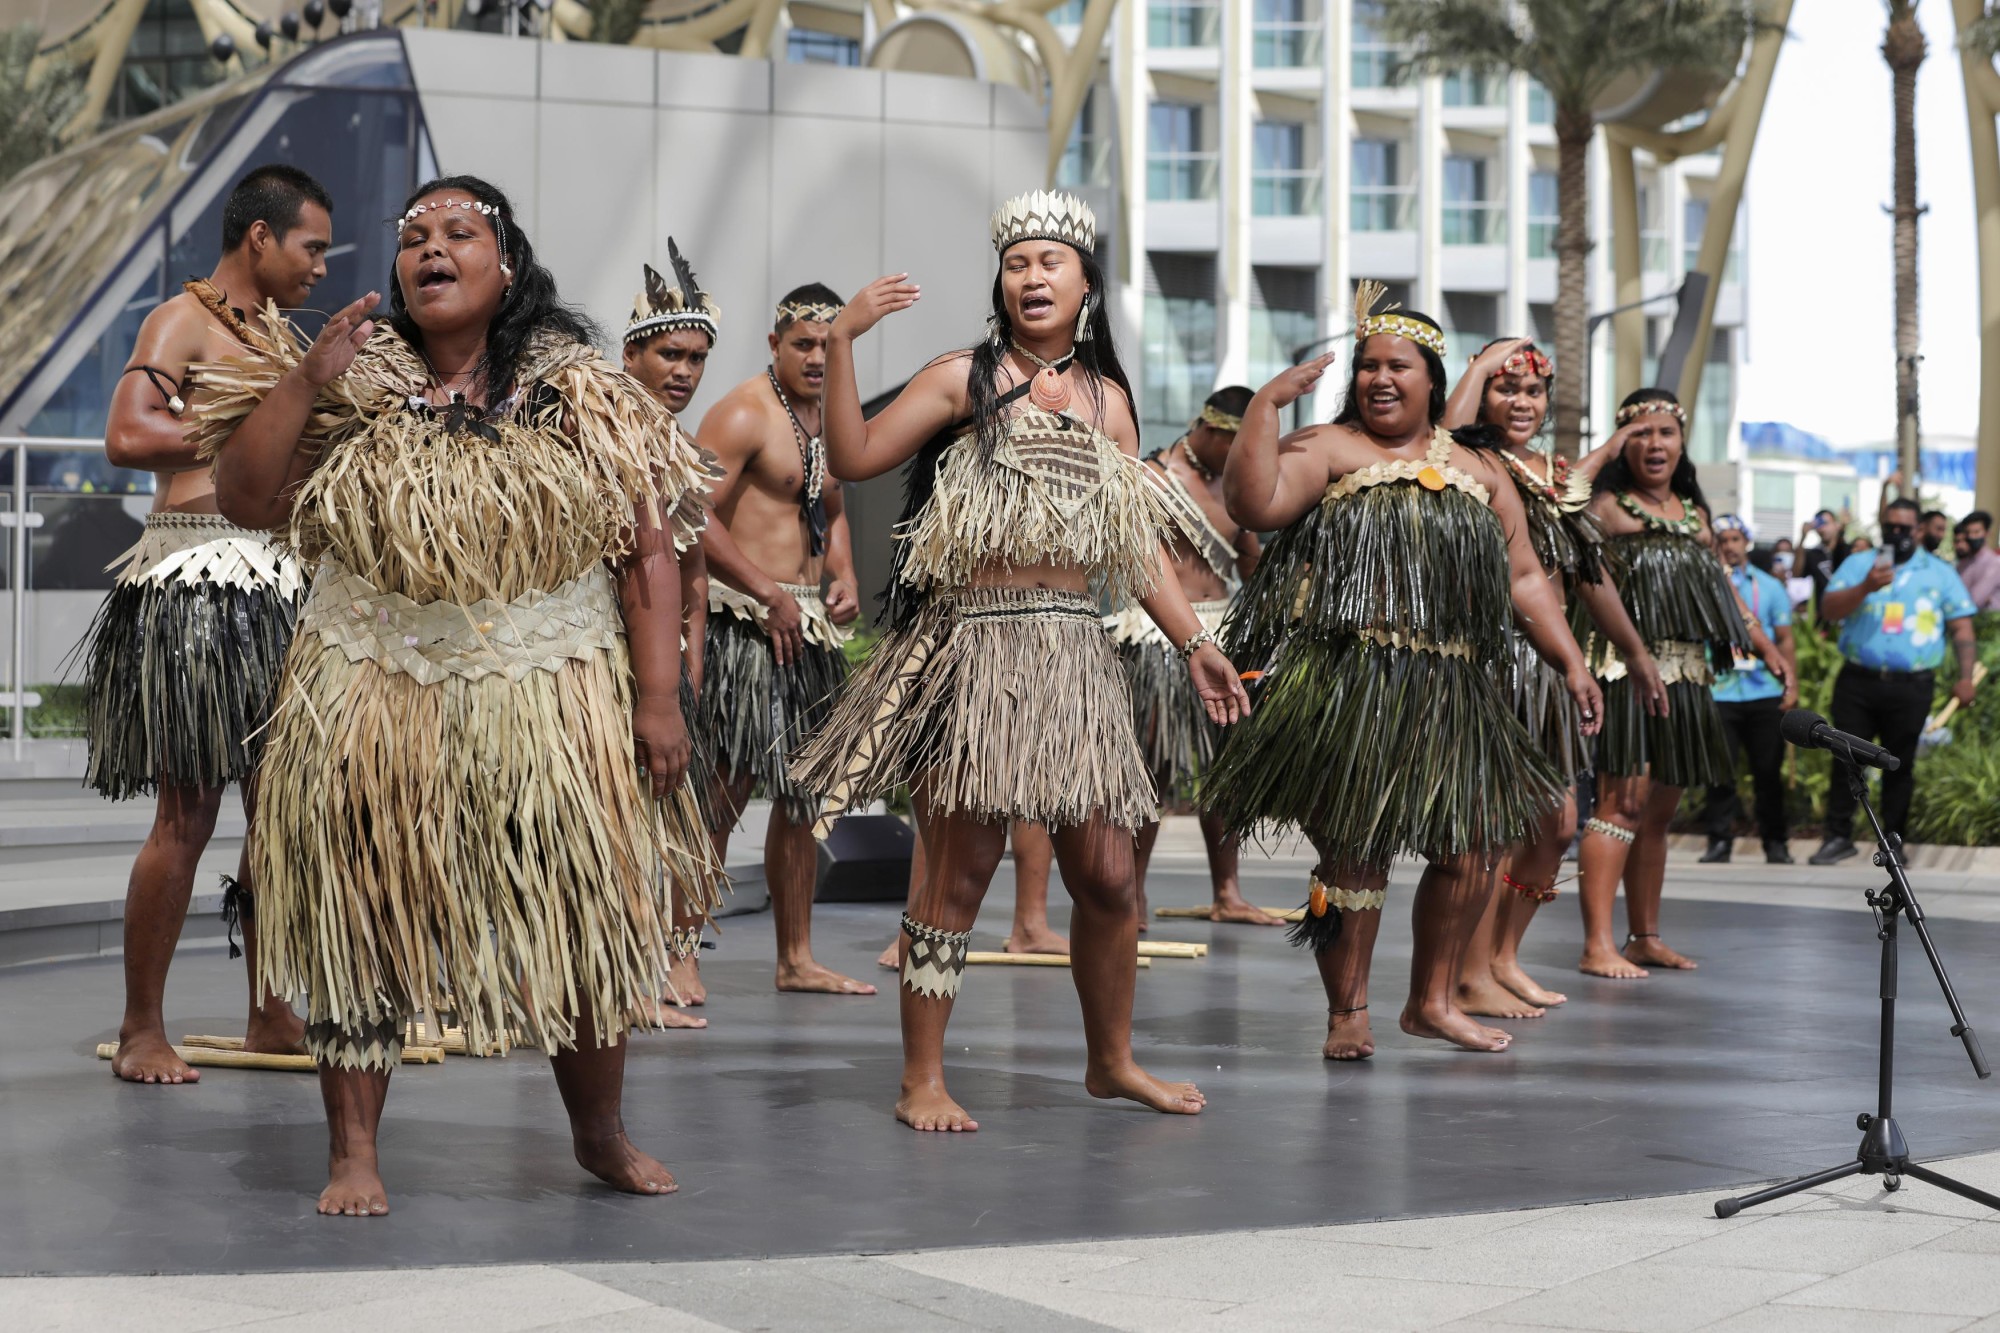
[[1087, 157], [1378, 199], [1373, 60], [1067, 14], [805, 46], [80, 534], [166, 60], [375, 61], [1286, 34], [1541, 110], [1283, 321], [1466, 87], [1469, 217], [1542, 215], [1176, 168], [1179, 345], [1183, 25]]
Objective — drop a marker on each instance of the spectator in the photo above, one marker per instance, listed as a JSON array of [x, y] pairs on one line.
[[1979, 565], [1863, 542], [1894, 611], [1936, 527], [1751, 702], [1818, 562]]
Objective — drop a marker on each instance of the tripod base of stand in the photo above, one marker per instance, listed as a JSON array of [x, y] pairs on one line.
[[1883, 1153]]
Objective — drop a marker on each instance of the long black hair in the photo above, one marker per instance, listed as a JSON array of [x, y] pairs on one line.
[[1096, 356], [530, 305], [1686, 482], [1350, 403]]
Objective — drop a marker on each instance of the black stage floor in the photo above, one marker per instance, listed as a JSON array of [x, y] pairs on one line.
[[777, 1118]]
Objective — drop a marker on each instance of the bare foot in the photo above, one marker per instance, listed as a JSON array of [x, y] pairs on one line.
[[665, 1014], [1348, 1036], [1598, 961], [684, 976], [821, 980], [1135, 1084], [1514, 979], [891, 958], [275, 1030], [1456, 1028], [1041, 940], [1648, 949], [1488, 998], [354, 1188], [623, 1167], [148, 1057], [928, 1107], [1231, 908]]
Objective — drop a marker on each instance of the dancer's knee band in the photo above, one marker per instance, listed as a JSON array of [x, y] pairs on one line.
[[1610, 830], [935, 962]]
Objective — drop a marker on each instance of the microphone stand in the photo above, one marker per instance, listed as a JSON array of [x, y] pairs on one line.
[[1883, 1151]]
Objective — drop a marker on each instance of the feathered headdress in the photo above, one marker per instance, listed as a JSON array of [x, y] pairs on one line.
[[682, 306], [1367, 323]]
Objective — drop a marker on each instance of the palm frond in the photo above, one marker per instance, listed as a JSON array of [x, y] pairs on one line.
[[1983, 35], [35, 104]]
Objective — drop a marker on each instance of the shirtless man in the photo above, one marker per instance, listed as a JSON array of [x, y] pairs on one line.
[[773, 660], [1176, 735], [668, 339], [163, 721]]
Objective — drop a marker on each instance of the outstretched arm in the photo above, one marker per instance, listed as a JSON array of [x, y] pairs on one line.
[[1269, 482], [856, 448], [258, 471]]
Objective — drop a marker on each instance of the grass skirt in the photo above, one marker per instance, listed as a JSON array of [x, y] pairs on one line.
[[475, 845], [754, 713], [1000, 703], [1378, 751], [1174, 732], [184, 656], [1542, 702], [1686, 748]]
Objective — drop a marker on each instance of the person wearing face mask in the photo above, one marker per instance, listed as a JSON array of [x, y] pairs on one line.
[[1752, 701], [1979, 566], [1895, 609], [1935, 529]]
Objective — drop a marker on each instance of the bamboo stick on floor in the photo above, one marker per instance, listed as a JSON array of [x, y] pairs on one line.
[[1171, 949], [412, 1055], [1201, 913], [202, 1055], [997, 959]]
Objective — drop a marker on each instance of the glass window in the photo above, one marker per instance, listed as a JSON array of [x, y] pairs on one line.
[[1179, 351], [1067, 14], [1541, 108], [1087, 157], [166, 60], [1285, 34], [1652, 229], [1708, 432], [1543, 214], [1177, 167], [1465, 87], [1471, 320], [1281, 185], [1380, 201], [1282, 318], [1373, 61], [1469, 217], [1694, 220], [1176, 23], [808, 46]]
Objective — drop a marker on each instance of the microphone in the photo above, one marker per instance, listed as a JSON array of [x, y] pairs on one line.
[[1809, 731]]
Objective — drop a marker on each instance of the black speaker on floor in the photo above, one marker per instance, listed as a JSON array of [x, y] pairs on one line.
[[866, 859]]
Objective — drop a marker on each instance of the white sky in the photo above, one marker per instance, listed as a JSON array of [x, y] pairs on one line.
[[1821, 351]]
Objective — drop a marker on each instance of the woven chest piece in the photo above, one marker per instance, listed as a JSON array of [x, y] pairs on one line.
[[1064, 461]]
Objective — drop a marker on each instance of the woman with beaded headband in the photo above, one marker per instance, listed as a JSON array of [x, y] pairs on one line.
[[1501, 404], [996, 695], [1655, 519], [1380, 617], [475, 770]]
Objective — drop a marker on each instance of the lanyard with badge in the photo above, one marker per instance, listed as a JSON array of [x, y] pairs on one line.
[[1741, 658]]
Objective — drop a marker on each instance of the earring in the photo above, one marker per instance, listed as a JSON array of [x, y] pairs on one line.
[[506, 273], [1083, 334], [996, 335]]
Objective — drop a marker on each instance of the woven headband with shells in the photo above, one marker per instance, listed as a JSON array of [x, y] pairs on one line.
[[808, 312], [1220, 420], [1367, 323], [684, 305], [1044, 215], [1631, 413]]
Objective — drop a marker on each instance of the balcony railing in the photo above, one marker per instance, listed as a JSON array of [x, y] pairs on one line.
[[1653, 251], [1183, 25], [1375, 208], [1474, 224], [1691, 256], [1285, 45], [1180, 176], [1085, 162], [1466, 88], [1541, 238], [1373, 64], [1285, 194]]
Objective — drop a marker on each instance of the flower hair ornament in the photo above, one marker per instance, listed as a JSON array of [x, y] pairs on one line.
[[1529, 359], [485, 210], [1633, 411], [1367, 323]]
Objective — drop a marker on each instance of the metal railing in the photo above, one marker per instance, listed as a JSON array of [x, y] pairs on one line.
[[17, 521], [1285, 193], [1481, 222], [1183, 25], [1181, 176], [1283, 44]]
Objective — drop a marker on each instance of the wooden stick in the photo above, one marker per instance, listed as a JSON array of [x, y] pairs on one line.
[[412, 1055], [201, 1055], [978, 958], [1201, 913], [1171, 949]]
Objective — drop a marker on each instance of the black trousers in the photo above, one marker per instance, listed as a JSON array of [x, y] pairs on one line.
[[1752, 729], [1890, 711]]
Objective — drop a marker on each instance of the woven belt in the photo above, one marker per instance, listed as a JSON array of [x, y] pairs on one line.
[[207, 548], [815, 622]]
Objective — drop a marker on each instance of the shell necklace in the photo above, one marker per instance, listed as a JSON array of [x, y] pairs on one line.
[[1049, 390]]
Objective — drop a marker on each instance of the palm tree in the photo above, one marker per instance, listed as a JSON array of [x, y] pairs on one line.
[[1904, 49], [35, 103], [1577, 50]]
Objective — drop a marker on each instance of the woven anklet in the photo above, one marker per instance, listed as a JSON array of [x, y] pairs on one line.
[[1344, 900], [1336, 1013], [1610, 830]]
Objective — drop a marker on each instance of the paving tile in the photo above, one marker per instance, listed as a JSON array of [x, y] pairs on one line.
[[1651, 1296], [1978, 1238], [638, 1319], [1811, 1242], [1798, 1319], [1921, 1281], [1420, 1232], [1378, 1305], [87, 1305], [492, 1300]]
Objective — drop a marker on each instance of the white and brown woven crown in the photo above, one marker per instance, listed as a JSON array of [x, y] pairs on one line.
[[1367, 323], [660, 309], [1044, 215], [808, 312]]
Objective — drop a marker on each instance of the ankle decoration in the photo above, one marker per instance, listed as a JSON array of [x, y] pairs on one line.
[[685, 940], [1544, 894], [935, 963], [1610, 830], [1339, 1012], [238, 910], [1344, 900]]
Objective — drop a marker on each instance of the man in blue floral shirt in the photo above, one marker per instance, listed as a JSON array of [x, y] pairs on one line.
[[1894, 606]]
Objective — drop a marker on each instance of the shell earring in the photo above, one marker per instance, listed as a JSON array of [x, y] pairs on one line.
[[996, 335], [1083, 320]]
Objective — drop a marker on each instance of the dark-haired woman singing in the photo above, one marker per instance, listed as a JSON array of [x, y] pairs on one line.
[[996, 694], [1380, 617], [475, 771], [1655, 521]]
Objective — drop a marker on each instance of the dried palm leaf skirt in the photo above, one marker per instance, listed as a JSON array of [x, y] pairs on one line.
[[1687, 747], [1175, 735], [451, 820], [185, 654], [998, 703], [1542, 701], [754, 713]]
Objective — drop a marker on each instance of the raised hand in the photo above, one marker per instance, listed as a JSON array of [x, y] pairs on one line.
[[1296, 382], [884, 296], [338, 343]]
